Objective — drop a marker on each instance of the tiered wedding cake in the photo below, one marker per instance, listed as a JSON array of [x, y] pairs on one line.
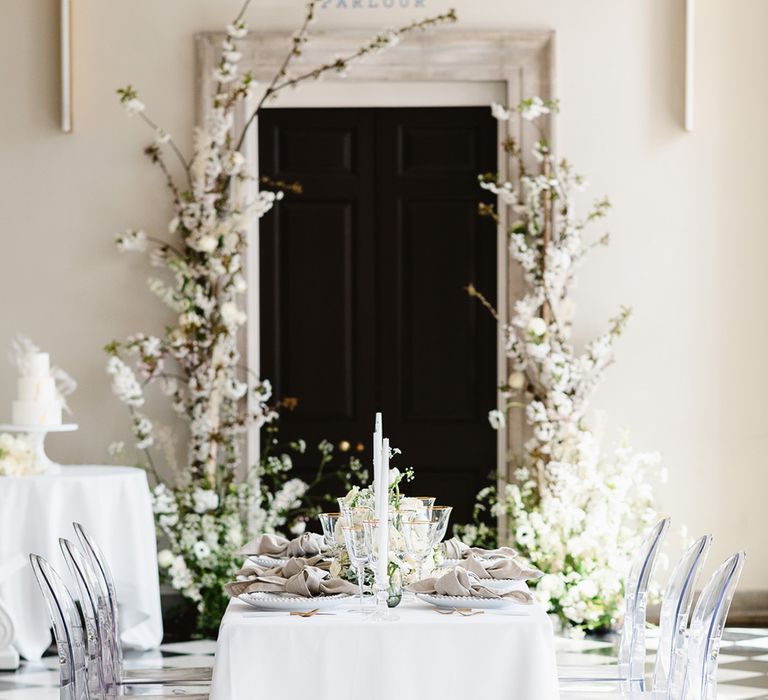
[[39, 404]]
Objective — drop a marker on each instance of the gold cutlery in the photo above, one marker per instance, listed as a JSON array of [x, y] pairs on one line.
[[464, 612], [308, 613]]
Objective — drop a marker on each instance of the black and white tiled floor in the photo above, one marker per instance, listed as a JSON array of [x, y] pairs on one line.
[[743, 671]]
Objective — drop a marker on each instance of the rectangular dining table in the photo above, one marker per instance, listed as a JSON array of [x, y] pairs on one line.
[[500, 654]]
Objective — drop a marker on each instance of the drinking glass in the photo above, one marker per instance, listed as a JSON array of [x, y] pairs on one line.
[[330, 523], [354, 539], [441, 515], [420, 539], [427, 503]]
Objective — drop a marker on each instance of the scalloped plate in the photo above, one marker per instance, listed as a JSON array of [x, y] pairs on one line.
[[293, 603], [453, 601], [263, 560]]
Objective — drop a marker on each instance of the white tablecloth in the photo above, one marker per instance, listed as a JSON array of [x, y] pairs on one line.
[[494, 656], [113, 503]]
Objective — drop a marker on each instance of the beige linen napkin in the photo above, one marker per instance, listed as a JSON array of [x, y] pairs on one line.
[[307, 545], [296, 577], [460, 582], [456, 549], [502, 567]]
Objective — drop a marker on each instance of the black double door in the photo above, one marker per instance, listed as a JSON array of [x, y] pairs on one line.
[[363, 306]]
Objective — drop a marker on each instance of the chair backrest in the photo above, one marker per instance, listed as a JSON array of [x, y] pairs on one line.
[[67, 629], [675, 609], [632, 646], [96, 615], [107, 585], [706, 631]]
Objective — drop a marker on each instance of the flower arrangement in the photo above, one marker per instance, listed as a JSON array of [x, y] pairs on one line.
[[401, 570], [17, 457], [207, 508], [576, 511]]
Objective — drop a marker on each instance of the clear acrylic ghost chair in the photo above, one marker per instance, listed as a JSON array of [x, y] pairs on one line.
[[98, 658], [707, 625], [696, 677], [631, 664], [675, 610], [78, 681], [67, 629], [165, 675]]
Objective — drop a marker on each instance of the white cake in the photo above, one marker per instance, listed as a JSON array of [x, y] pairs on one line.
[[38, 402]]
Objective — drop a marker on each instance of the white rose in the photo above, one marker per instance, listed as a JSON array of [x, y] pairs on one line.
[[204, 500], [165, 558], [537, 326]]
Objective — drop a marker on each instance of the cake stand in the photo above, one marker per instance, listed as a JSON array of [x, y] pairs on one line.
[[37, 435]]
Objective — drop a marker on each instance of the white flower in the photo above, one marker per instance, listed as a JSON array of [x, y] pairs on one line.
[[17, 458], [394, 475], [133, 240], [204, 500], [206, 244], [125, 386], [500, 112], [231, 315], [238, 30], [116, 449], [165, 558], [298, 527], [161, 136], [133, 106], [201, 549], [537, 326], [497, 419], [533, 108]]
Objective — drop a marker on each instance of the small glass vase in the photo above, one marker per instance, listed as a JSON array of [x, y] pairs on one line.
[[395, 589]]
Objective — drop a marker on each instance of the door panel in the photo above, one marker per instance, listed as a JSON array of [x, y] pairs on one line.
[[362, 283]]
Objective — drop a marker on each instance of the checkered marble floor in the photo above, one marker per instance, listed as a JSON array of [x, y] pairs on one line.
[[743, 671]]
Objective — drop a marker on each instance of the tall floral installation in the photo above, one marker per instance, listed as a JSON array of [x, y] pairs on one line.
[[207, 510], [575, 509]]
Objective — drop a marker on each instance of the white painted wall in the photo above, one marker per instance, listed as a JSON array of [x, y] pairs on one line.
[[689, 245]]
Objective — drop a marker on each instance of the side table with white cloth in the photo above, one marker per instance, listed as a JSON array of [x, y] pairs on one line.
[[498, 655], [112, 502]]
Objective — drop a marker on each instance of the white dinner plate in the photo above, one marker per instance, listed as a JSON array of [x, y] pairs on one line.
[[452, 601], [263, 560], [289, 603]]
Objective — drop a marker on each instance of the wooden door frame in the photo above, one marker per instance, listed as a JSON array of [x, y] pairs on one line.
[[522, 61]]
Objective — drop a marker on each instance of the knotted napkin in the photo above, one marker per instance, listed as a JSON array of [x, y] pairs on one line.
[[296, 577], [456, 549], [500, 568], [307, 545], [460, 582]]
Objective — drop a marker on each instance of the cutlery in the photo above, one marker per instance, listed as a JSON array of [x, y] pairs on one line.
[[464, 612]]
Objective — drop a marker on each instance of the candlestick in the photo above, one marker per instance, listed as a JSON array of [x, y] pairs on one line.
[[382, 506]]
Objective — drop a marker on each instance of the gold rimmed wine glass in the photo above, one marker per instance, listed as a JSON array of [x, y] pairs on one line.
[[354, 540], [441, 515], [420, 539]]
